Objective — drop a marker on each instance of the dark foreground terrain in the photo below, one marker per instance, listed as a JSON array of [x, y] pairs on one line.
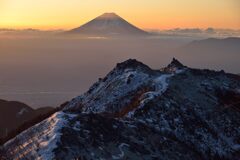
[[139, 113]]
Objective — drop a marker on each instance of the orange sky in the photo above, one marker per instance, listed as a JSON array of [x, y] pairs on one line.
[[151, 14]]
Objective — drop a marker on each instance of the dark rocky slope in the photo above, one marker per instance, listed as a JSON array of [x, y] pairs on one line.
[[139, 113]]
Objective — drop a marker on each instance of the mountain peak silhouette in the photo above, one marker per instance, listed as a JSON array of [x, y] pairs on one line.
[[108, 24]]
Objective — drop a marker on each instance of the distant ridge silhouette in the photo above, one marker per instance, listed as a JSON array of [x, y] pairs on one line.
[[226, 45]]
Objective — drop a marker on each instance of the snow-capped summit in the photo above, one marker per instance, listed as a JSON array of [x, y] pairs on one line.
[[108, 24], [109, 15], [136, 112]]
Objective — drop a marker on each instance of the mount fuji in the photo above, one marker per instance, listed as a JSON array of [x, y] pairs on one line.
[[108, 24]]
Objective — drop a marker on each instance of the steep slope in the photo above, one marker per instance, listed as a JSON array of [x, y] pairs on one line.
[[139, 113], [13, 114], [108, 24]]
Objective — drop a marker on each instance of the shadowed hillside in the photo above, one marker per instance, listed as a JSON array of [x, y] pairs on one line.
[[14, 114]]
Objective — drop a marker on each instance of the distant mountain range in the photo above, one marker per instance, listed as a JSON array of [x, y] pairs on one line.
[[212, 47], [197, 32], [108, 24], [232, 41], [136, 112], [231, 44]]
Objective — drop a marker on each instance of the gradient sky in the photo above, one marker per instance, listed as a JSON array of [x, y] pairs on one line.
[[151, 14]]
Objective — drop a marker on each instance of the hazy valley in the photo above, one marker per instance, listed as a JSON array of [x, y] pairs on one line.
[[38, 71]]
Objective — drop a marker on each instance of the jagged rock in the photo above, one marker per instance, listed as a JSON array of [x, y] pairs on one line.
[[175, 63], [173, 66], [132, 63]]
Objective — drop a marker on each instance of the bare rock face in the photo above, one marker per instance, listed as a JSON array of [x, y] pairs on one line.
[[108, 24], [139, 113]]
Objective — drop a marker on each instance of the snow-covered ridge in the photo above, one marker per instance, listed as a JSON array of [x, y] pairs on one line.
[[129, 78], [40, 140]]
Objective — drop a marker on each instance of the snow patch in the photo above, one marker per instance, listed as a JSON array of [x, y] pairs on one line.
[[121, 155], [161, 85], [77, 126], [22, 111]]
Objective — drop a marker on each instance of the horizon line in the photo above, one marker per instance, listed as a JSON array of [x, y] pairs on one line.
[[157, 29]]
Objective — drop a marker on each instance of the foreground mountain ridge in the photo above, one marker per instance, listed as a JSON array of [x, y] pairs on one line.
[[137, 112]]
